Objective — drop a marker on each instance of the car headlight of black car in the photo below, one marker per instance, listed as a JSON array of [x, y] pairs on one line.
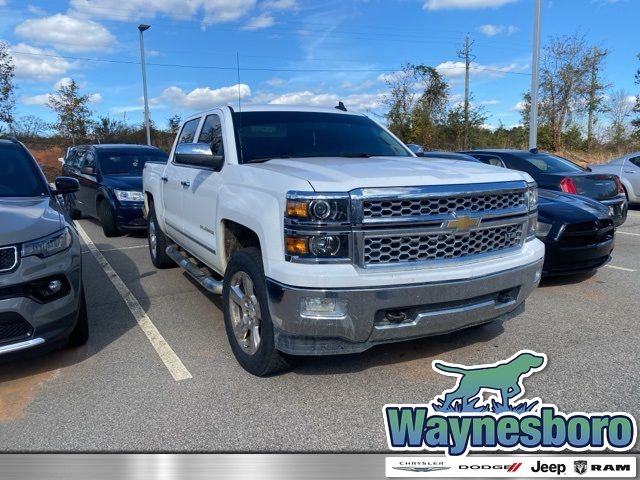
[[49, 245]]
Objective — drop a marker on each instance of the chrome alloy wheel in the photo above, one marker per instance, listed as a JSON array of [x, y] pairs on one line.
[[153, 240], [245, 312]]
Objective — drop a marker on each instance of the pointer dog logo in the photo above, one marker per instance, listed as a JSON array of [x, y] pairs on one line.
[[485, 410]]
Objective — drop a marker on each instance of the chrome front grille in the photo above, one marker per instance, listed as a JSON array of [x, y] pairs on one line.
[[411, 207], [393, 249], [8, 258]]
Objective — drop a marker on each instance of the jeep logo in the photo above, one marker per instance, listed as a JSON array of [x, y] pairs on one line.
[[557, 468]]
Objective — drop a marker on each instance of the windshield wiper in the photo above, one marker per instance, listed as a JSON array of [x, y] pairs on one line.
[[266, 159], [361, 155]]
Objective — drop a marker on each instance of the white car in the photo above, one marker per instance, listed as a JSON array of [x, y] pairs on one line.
[[627, 168], [326, 235]]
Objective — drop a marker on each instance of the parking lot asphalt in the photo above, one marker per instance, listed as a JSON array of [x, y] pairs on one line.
[[117, 393]]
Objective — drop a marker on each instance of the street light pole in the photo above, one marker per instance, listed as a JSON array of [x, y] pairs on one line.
[[535, 73], [143, 28]]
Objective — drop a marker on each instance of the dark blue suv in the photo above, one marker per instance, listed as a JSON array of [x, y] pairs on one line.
[[110, 178]]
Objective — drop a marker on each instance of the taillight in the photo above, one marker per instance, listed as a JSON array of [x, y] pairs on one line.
[[568, 185], [618, 184]]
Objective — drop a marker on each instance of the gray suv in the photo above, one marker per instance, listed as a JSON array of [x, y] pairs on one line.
[[41, 297]]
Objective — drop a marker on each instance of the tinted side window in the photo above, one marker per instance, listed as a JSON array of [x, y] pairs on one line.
[[212, 134], [188, 133], [635, 161], [490, 160], [89, 160]]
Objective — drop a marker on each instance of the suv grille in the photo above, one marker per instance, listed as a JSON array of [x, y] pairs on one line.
[[587, 233], [8, 258], [382, 250], [392, 208], [13, 327]]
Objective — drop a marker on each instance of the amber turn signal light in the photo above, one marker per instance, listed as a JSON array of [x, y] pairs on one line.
[[297, 246], [297, 209]]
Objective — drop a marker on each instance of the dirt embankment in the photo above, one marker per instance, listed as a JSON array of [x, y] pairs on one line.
[[48, 160]]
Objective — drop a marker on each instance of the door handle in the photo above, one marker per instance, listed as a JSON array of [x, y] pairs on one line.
[[629, 171], [185, 183], [164, 178]]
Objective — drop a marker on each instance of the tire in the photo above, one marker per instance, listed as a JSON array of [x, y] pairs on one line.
[[72, 212], [80, 334], [158, 243], [107, 221], [244, 299]]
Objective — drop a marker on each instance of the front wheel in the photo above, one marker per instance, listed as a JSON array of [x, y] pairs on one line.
[[158, 243], [246, 315], [80, 334], [109, 227]]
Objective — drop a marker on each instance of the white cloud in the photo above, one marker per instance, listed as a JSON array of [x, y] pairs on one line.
[[279, 5], [38, 64], [355, 102], [489, 102], [63, 82], [261, 21], [453, 69], [519, 107], [276, 81], [210, 11], [67, 33], [201, 98], [95, 98], [491, 30], [631, 100], [3, 3], [41, 99], [464, 4]]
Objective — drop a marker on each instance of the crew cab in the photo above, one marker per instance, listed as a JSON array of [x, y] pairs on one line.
[[324, 234]]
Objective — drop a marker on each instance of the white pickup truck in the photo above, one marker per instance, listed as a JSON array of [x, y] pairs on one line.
[[324, 234]]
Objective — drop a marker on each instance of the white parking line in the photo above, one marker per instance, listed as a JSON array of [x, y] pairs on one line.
[[175, 366], [628, 233], [118, 249], [621, 268]]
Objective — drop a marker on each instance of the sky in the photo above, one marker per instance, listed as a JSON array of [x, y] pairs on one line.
[[297, 52]]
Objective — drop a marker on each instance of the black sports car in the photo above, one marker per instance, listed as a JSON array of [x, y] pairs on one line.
[[577, 231], [556, 173]]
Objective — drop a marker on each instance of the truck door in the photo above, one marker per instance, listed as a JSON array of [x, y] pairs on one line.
[[201, 195], [631, 171], [173, 186]]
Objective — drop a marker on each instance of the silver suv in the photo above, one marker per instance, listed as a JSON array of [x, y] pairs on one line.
[[41, 297]]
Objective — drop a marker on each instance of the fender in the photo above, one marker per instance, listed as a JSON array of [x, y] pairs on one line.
[[633, 197], [108, 196]]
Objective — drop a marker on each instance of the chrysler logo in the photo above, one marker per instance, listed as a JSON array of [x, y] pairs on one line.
[[463, 223]]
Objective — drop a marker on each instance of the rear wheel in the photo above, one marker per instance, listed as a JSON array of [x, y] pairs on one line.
[[105, 215], [246, 315], [158, 243], [80, 334]]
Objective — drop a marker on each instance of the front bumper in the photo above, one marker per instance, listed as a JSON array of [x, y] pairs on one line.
[[426, 309], [561, 260], [130, 216], [26, 324], [618, 209]]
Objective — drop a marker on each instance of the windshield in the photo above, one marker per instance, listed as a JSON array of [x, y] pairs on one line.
[[122, 161], [19, 174], [268, 135], [551, 163]]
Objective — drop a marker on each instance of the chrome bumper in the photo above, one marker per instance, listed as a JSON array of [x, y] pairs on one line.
[[391, 314]]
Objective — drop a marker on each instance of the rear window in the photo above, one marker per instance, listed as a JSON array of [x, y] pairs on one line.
[[114, 162], [550, 163], [19, 174]]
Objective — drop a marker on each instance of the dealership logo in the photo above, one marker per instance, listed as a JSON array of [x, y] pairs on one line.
[[514, 467], [421, 469], [580, 467], [485, 410]]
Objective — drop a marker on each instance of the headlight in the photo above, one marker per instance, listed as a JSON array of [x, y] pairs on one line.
[[543, 229], [317, 208], [129, 196], [532, 196], [318, 246], [50, 245]]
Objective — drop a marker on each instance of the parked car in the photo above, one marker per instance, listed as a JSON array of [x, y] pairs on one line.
[[556, 173], [577, 231], [110, 178], [41, 296], [325, 235], [627, 168], [448, 156], [415, 148]]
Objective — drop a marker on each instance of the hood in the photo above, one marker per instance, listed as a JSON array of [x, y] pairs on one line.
[[123, 181], [336, 174], [25, 219], [565, 207]]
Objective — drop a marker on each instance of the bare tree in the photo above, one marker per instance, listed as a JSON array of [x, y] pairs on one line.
[[619, 108], [7, 88], [563, 81], [74, 117], [173, 124], [400, 101], [30, 127]]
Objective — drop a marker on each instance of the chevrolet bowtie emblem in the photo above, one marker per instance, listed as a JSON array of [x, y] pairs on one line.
[[463, 223]]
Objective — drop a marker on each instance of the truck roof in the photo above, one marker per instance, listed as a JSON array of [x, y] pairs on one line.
[[277, 108]]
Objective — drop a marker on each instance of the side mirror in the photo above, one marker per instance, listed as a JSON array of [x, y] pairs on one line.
[[88, 170], [61, 160], [66, 185], [198, 154]]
